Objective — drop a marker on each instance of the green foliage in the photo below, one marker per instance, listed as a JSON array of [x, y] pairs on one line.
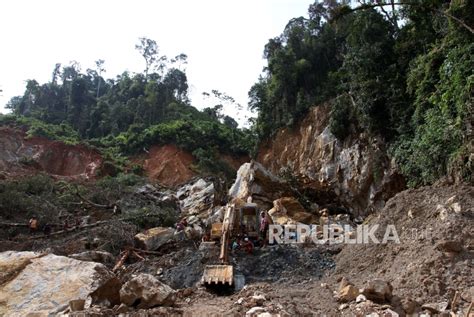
[[26, 197], [127, 115], [341, 117], [209, 163], [62, 132], [441, 82], [405, 76]]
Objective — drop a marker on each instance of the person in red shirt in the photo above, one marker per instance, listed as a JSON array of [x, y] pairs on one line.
[[247, 245]]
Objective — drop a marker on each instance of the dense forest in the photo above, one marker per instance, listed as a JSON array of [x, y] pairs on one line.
[[126, 115], [400, 72]]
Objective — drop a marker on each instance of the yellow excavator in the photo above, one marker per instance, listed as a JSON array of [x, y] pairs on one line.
[[237, 220]]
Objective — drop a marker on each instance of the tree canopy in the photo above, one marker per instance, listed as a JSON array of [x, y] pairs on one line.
[[401, 71]]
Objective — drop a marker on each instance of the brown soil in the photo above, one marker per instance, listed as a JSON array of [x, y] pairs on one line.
[[420, 267], [235, 162], [168, 165], [20, 155]]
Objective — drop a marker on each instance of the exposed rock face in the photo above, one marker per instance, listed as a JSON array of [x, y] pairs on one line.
[[145, 291], [253, 180], [357, 172], [45, 284], [288, 210], [196, 198], [20, 155], [154, 238]]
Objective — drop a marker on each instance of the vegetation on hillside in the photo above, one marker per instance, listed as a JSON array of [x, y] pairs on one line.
[[128, 114], [404, 73], [400, 72]]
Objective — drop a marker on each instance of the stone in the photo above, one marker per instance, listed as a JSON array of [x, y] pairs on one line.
[[145, 291], [449, 246], [255, 311], [390, 313], [154, 238], [347, 294], [378, 291], [253, 180], [435, 308], [343, 306], [197, 198], [456, 207], [409, 306], [77, 304], [94, 256], [361, 298], [258, 299], [288, 210], [45, 284], [121, 309], [207, 245]]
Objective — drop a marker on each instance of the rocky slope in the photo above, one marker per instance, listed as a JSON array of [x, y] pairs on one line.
[[356, 173]]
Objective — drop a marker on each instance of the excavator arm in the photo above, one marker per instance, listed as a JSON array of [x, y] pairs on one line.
[[222, 274]]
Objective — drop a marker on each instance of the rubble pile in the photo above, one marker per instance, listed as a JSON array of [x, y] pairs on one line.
[[158, 272]]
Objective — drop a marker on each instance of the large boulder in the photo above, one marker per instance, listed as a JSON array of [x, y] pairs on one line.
[[253, 180], [378, 291], [145, 291], [154, 238], [197, 198], [44, 285], [288, 210]]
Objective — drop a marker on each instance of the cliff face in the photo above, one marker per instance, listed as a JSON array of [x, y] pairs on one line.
[[356, 173]]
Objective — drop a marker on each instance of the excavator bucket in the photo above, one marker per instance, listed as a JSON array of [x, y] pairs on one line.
[[218, 275]]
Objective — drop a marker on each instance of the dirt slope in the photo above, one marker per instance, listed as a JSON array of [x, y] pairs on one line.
[[20, 155], [436, 255], [168, 165]]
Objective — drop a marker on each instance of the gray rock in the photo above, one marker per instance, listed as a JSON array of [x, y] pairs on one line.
[[145, 291], [94, 256], [46, 284], [154, 238]]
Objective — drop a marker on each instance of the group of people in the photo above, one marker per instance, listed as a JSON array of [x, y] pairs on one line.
[[247, 244]]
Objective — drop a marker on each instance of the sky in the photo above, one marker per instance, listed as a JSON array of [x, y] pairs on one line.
[[224, 39]]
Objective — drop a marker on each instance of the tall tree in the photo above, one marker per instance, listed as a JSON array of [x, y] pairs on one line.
[[148, 48], [99, 64]]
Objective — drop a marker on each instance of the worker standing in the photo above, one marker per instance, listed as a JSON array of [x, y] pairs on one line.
[[33, 224]]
